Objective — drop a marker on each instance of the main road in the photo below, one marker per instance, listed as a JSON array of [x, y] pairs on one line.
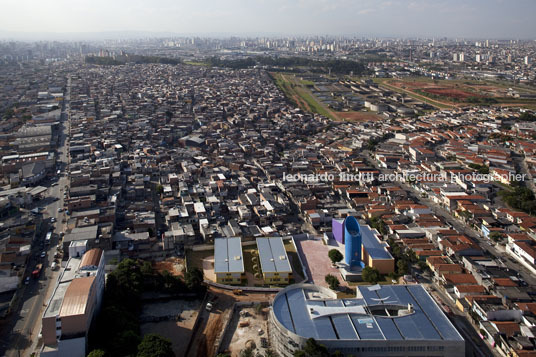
[[21, 331]]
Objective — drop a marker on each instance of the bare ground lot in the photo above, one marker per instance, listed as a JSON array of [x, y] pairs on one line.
[[178, 332], [359, 116], [211, 324], [254, 328], [173, 265]]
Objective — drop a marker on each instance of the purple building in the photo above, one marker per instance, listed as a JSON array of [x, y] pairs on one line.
[[337, 227]]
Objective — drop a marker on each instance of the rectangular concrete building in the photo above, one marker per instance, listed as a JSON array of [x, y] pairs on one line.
[[274, 262], [228, 260]]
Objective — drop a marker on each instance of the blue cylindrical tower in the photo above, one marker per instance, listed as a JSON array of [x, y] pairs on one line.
[[352, 242]]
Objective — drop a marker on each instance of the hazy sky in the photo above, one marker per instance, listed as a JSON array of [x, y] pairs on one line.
[[452, 18]]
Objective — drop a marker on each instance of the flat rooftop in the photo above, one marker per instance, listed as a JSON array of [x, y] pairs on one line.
[[56, 300], [374, 247], [311, 312], [228, 255], [273, 255]]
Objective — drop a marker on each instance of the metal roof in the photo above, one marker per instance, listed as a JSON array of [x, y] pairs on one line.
[[91, 258], [375, 249], [273, 256], [306, 312], [76, 297], [228, 255]]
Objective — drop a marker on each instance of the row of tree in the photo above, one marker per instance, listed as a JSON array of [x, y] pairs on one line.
[[119, 60], [520, 198], [339, 66]]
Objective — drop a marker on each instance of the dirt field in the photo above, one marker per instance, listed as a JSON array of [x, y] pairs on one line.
[[359, 116], [317, 261], [208, 268], [254, 328], [449, 90], [451, 93], [212, 322], [178, 332], [173, 265]]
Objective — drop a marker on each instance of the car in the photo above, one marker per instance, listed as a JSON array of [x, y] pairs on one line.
[[52, 219], [27, 280], [60, 209], [55, 184]]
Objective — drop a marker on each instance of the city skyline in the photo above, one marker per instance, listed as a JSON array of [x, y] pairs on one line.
[[421, 18]]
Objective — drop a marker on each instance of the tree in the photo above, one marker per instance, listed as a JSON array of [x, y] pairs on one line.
[[412, 256], [154, 345], [194, 279], [312, 349], [97, 353], [378, 224], [371, 275], [526, 116], [335, 256], [126, 342], [332, 281], [247, 352], [495, 236], [402, 267], [423, 266]]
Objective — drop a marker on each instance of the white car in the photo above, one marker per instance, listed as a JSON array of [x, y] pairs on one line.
[[53, 220], [60, 209]]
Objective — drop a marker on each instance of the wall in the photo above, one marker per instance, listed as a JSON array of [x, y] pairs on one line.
[[337, 227], [384, 266], [49, 330]]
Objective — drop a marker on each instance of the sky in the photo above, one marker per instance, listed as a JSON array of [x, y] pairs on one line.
[[389, 18]]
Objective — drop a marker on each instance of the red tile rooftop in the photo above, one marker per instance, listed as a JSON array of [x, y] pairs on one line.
[[504, 282], [471, 289], [508, 328], [457, 279]]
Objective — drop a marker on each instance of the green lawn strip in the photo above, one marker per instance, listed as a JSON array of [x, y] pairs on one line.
[[313, 103], [292, 86]]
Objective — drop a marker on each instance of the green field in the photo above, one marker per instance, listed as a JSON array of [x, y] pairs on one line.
[[296, 91]]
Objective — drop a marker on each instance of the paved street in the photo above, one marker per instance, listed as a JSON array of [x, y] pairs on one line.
[[25, 322]]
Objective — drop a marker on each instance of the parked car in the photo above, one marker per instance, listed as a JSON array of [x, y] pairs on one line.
[[43, 254]]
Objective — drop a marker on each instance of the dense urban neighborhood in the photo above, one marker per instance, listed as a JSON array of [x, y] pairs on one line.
[[270, 196]]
